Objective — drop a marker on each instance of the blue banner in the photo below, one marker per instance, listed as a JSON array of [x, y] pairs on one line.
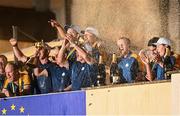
[[69, 103]]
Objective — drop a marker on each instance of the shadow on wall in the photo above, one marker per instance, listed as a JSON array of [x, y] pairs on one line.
[[139, 20], [32, 22]]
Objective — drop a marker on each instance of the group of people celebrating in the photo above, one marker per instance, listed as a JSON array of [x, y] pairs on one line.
[[75, 63]]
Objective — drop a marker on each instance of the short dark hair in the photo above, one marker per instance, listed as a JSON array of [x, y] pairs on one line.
[[3, 57], [66, 27], [152, 41]]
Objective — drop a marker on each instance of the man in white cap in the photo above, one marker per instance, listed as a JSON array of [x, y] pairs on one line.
[[150, 54], [164, 61], [162, 44], [91, 35], [92, 43]]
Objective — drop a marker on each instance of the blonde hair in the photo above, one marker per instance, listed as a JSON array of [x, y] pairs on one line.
[[127, 40], [12, 65]]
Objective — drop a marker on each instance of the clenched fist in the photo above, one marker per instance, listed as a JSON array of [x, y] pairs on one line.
[[13, 42]]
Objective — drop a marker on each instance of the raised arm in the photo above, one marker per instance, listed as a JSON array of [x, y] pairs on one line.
[[61, 53], [17, 52], [60, 29], [81, 52], [145, 60]]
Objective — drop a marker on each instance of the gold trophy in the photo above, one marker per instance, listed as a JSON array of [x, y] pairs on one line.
[[39, 44]]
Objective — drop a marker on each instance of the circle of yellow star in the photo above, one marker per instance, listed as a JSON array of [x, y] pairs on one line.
[[21, 109], [13, 107], [4, 111]]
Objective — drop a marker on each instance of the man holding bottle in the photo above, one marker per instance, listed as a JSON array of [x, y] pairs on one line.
[[93, 43]]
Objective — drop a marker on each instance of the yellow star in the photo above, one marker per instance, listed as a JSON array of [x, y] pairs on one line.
[[13, 107], [22, 109], [4, 111]]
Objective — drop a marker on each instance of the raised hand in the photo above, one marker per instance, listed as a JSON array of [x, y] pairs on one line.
[[6, 92], [13, 42], [69, 37], [53, 23], [143, 57], [158, 58], [66, 43], [145, 60]]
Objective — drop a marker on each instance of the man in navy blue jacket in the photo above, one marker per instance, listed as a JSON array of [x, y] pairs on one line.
[[127, 63]]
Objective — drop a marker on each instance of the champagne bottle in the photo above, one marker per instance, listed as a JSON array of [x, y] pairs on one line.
[[101, 77], [114, 72]]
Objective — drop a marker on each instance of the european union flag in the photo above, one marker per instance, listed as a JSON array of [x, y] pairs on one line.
[[67, 103]]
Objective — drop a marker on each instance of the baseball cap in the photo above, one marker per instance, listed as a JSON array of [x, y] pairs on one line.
[[92, 31], [74, 27], [152, 41], [163, 40]]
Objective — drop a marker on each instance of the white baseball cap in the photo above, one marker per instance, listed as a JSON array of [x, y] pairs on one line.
[[163, 40], [92, 31]]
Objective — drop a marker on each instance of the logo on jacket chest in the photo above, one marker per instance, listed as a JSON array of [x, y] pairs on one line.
[[127, 65], [82, 68], [63, 74]]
